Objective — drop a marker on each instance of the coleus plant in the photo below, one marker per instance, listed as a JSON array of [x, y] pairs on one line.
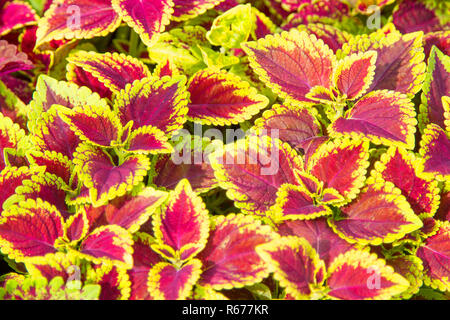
[[338, 186]]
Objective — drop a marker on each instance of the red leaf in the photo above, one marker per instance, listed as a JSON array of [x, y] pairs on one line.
[[30, 230], [321, 237], [358, 275], [166, 282], [184, 224], [435, 254], [229, 259]]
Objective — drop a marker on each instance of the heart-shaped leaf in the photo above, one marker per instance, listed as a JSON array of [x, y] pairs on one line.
[[354, 74]]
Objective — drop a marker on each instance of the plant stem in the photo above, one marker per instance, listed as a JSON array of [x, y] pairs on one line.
[[134, 43]]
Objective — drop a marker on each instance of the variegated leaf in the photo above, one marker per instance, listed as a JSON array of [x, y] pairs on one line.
[[291, 63], [105, 179], [144, 258], [410, 16], [129, 212], [320, 236], [354, 74], [52, 134], [148, 140], [229, 259], [293, 202], [383, 117], [404, 170], [186, 9], [221, 98], [332, 36], [358, 275], [182, 227], [50, 91], [96, 125], [161, 103], [12, 137], [341, 165], [166, 282], [108, 244], [400, 64], [30, 230], [293, 124], [15, 15], [435, 255], [436, 86], [147, 18], [379, 215], [11, 178], [114, 70], [295, 264], [77, 19], [434, 149], [252, 170]]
